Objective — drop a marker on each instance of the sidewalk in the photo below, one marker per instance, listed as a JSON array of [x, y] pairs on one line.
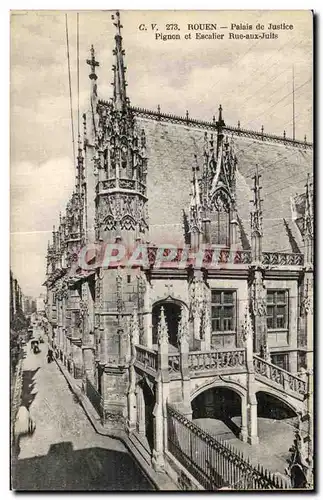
[[160, 481]]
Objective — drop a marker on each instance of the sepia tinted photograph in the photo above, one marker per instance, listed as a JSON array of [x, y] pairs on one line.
[[161, 250]]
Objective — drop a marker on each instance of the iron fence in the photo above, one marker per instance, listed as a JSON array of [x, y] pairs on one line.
[[214, 463]]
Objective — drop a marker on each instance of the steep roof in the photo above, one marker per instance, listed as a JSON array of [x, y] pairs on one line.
[[171, 149]]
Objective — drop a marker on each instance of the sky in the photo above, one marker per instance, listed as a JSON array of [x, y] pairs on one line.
[[251, 79]]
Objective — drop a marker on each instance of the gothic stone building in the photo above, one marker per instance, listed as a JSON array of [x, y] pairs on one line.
[[144, 337]]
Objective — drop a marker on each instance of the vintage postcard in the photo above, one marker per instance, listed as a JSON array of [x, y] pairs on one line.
[[162, 238]]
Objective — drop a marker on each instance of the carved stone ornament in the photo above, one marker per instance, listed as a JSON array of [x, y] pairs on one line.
[[183, 332], [83, 308], [162, 330], [134, 327], [258, 290], [197, 293], [247, 328]]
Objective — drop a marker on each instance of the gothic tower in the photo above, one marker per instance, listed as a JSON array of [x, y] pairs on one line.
[[117, 149]]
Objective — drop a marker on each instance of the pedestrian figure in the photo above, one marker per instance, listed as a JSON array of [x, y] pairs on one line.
[[49, 355]]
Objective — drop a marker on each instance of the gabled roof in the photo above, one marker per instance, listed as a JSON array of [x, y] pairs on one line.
[[171, 150]]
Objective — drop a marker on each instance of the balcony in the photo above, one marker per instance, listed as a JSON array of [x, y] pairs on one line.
[[224, 362]]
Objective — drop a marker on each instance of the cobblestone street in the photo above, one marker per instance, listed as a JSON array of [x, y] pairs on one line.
[[65, 452]]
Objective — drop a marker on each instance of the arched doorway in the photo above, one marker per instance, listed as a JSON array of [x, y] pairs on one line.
[[273, 408], [172, 315], [276, 423], [218, 410]]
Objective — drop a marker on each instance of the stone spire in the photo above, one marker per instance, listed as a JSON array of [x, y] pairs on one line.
[[256, 219], [220, 125], [79, 168], [119, 84], [308, 222], [195, 220]]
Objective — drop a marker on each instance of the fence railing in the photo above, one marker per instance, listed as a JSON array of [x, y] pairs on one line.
[[147, 357], [286, 380], [217, 360], [95, 398], [214, 463]]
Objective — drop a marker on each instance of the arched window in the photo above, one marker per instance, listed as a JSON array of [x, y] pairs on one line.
[[220, 218]]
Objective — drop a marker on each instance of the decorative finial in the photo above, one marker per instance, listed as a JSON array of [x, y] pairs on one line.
[[186, 115], [117, 23], [162, 331], [305, 138], [284, 134], [238, 124]]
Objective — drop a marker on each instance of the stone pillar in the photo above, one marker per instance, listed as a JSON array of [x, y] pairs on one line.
[[252, 424], [259, 307], [131, 396], [141, 424], [308, 312], [310, 413], [158, 451], [147, 317], [293, 362], [197, 304], [103, 346], [162, 381], [184, 364], [244, 420]]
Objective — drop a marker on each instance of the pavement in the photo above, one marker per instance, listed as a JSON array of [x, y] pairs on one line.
[[275, 439], [65, 452]]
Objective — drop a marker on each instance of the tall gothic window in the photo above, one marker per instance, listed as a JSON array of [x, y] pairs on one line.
[[277, 309]]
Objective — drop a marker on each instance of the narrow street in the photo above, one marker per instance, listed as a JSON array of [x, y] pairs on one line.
[[65, 452]]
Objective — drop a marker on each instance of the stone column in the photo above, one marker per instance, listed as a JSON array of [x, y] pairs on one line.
[[158, 451], [308, 310], [131, 399], [244, 420], [161, 380], [259, 307], [184, 364], [310, 413], [141, 424], [147, 317], [252, 423]]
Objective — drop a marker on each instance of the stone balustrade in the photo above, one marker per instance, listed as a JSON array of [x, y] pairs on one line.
[[288, 381], [217, 360], [146, 357], [197, 360], [282, 259]]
